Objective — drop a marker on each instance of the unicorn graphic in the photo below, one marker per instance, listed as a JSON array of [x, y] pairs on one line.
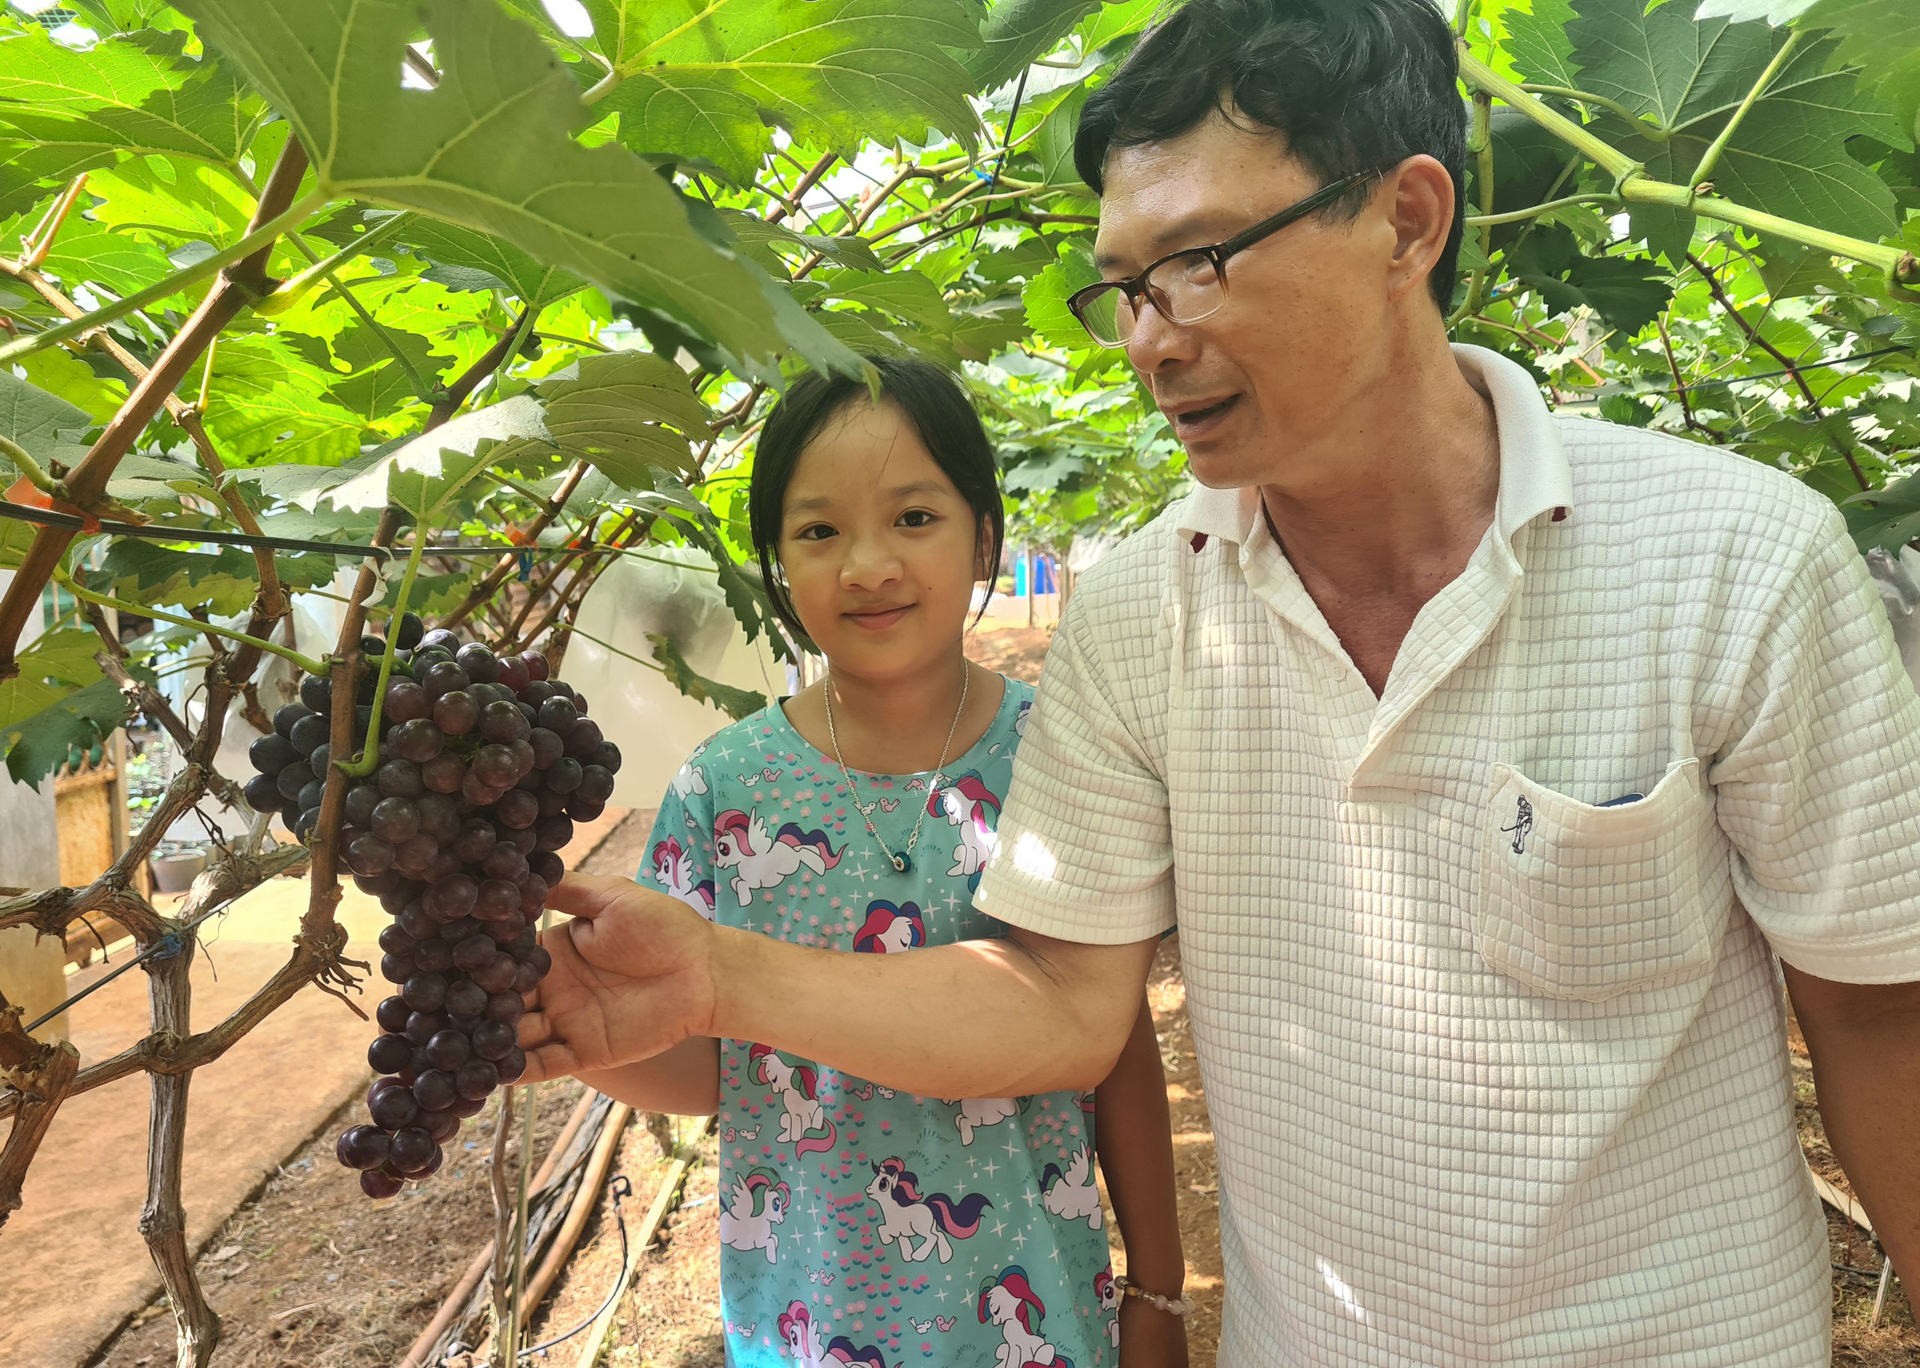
[[1009, 1302], [906, 1216], [1071, 1195], [805, 1124], [673, 872], [689, 779], [741, 843], [888, 929], [1108, 1296], [801, 1333], [1020, 719], [965, 803], [756, 1204], [977, 1113]]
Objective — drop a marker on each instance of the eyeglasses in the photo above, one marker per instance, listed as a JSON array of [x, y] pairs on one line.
[[1188, 285]]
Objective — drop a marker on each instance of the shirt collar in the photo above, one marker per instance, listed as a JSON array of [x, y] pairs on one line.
[[1534, 475]]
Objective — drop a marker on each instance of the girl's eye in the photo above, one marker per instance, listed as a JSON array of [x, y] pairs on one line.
[[916, 517], [815, 532]]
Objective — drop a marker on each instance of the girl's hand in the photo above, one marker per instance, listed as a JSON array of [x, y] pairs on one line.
[[1150, 1338], [632, 976]]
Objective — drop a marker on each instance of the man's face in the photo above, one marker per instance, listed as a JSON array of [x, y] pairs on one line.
[[1253, 391]]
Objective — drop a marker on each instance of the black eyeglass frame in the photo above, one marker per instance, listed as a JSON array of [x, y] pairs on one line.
[[1135, 288]]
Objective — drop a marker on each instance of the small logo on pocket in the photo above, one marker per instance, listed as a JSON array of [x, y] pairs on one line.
[[1522, 826]]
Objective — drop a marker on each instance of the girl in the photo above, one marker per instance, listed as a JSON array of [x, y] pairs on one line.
[[860, 1225]]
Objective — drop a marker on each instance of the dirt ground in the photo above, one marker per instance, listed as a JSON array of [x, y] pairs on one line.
[[319, 1277]]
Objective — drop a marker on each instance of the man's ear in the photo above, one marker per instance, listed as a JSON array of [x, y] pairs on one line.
[[1419, 200]]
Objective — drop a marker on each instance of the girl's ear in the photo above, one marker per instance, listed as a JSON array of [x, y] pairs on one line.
[[982, 541]]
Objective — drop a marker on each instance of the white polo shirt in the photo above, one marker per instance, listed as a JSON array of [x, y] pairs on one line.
[[1497, 1070]]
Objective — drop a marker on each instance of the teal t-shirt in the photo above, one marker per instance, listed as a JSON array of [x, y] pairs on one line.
[[863, 1226]]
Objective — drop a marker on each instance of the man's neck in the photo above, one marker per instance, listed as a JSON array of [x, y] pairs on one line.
[[1409, 487]]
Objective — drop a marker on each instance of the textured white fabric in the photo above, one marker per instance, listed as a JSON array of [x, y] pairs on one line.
[[1495, 1084]]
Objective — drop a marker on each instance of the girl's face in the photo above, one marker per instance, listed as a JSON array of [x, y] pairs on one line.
[[880, 551]]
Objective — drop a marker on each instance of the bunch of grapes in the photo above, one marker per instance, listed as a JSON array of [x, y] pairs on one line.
[[485, 765]]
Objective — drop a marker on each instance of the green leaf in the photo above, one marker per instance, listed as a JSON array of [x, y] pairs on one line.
[[611, 408], [55, 665], [423, 474], [222, 582], [1016, 32], [89, 252], [29, 169], [906, 294], [1527, 162], [36, 746], [266, 402], [1789, 155], [701, 74], [1118, 20], [1053, 144], [736, 703], [153, 477], [65, 376], [1891, 522], [45, 425], [1046, 298], [1742, 11], [504, 265], [1627, 292], [491, 148], [1882, 38], [175, 201], [1539, 44]]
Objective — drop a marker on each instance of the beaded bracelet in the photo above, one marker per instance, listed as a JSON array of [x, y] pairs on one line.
[[1173, 1306]]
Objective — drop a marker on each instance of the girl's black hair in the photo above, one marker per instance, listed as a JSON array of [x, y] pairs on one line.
[[933, 401]]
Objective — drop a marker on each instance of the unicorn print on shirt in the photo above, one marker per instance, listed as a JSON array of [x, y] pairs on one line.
[[741, 843], [690, 778], [757, 1203], [906, 1216], [965, 803], [805, 1125], [1108, 1296], [1010, 1302], [888, 930], [977, 1113], [1071, 1195], [673, 872]]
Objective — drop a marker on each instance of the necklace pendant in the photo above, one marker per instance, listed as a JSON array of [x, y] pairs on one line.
[[901, 864]]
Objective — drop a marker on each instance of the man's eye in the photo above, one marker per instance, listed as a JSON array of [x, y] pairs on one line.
[[916, 517]]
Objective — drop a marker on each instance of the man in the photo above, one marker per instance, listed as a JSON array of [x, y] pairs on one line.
[[1485, 760]]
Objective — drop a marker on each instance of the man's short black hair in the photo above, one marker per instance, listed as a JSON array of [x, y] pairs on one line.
[[1348, 84]]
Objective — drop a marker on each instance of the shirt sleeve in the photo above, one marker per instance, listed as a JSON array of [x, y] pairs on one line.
[[679, 854], [1085, 850], [1819, 787]]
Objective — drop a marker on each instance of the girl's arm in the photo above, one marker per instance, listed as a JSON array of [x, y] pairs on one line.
[[684, 1081], [1133, 1136]]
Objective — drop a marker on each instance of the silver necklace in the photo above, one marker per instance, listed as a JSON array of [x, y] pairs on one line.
[[901, 862]]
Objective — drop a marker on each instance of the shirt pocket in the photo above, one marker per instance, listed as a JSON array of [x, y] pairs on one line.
[[1586, 903]]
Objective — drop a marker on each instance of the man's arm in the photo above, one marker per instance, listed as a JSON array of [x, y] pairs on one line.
[[636, 973], [683, 1081], [1864, 1040]]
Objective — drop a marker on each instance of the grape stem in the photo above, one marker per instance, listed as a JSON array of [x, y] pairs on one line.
[[365, 763], [85, 595]]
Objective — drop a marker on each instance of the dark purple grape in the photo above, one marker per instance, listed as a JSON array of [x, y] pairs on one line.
[[475, 841], [389, 1053], [517, 809], [378, 886], [581, 810], [580, 702], [607, 756], [477, 1078], [522, 756], [391, 1104], [294, 778], [539, 958], [434, 1090], [309, 733], [449, 1050], [271, 754], [444, 773], [395, 941], [504, 862], [379, 1184], [434, 955], [310, 796], [478, 662], [513, 673], [439, 639], [536, 664], [584, 739], [503, 722], [415, 855], [474, 952], [400, 892], [559, 716], [263, 793], [316, 691], [407, 701], [464, 1108], [563, 690], [441, 1125], [459, 929], [425, 992], [452, 897], [413, 920], [362, 798], [497, 975], [361, 1147], [423, 1026], [555, 833], [596, 783], [547, 865], [511, 1065], [525, 979], [399, 779], [497, 899], [464, 1024], [392, 1014], [508, 929], [533, 895], [369, 855], [506, 1007], [395, 820], [412, 1151], [492, 1039], [363, 712], [566, 775], [536, 693], [444, 679], [466, 998], [445, 865], [547, 747], [492, 765], [478, 793], [456, 713], [439, 817], [521, 839], [419, 740], [552, 804], [408, 634]]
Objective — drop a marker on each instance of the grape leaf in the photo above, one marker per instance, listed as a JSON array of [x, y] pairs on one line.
[[1882, 38], [610, 410], [55, 665], [172, 201], [66, 376], [1016, 32], [1117, 20], [1741, 11], [703, 78], [266, 402], [89, 252], [491, 148], [223, 581], [43, 424], [906, 294], [1788, 156], [28, 169], [1627, 292], [422, 474], [1887, 518], [1046, 298], [1539, 43], [736, 703], [509, 268], [37, 745]]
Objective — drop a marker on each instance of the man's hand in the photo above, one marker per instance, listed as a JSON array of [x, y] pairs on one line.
[[632, 976]]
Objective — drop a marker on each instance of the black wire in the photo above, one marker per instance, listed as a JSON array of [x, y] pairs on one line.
[[166, 947], [620, 1187], [1000, 162], [1696, 386]]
